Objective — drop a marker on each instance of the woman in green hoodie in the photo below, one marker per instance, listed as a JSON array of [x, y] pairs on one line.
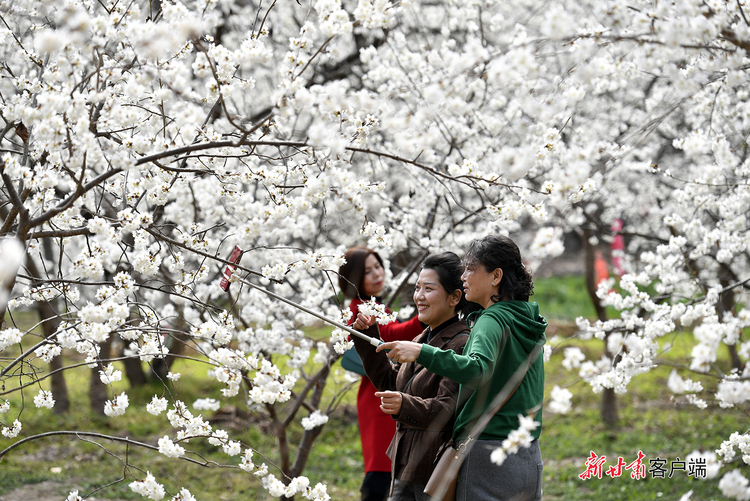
[[502, 337]]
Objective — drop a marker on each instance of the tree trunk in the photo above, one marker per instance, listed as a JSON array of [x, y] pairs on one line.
[[133, 368], [59, 389], [162, 366], [50, 322], [726, 304], [134, 371], [97, 389], [608, 409], [590, 255], [309, 436]]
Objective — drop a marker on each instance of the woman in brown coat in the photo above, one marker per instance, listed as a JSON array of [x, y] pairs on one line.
[[421, 402]]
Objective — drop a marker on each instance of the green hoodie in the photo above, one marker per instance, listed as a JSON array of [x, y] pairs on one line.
[[501, 339]]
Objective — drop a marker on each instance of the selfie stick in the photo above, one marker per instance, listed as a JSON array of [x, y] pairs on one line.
[[224, 284]]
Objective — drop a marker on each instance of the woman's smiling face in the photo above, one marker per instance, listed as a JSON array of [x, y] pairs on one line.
[[434, 304]]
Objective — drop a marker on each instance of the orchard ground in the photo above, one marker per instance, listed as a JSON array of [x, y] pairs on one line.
[[669, 430], [143, 140]]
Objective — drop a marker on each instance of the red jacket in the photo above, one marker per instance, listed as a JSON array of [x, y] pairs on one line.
[[376, 428]]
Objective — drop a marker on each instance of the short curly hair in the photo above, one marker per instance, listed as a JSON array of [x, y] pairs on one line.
[[497, 251]]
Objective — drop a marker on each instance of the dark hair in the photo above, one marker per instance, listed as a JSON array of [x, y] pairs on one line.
[[501, 252], [449, 269], [352, 273]]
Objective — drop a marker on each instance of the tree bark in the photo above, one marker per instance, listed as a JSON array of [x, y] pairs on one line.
[[726, 304], [59, 389], [134, 372], [309, 436], [50, 322], [162, 366], [608, 408], [280, 428], [97, 389]]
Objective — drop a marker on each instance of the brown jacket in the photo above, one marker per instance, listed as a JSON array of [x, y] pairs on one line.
[[428, 401]]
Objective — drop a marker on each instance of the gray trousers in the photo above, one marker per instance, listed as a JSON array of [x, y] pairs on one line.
[[519, 478], [408, 491]]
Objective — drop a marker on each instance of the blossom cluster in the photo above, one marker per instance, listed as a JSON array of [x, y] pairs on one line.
[[374, 309], [518, 438], [314, 420], [139, 149]]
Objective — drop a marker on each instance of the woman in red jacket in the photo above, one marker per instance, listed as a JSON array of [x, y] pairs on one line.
[[361, 278]]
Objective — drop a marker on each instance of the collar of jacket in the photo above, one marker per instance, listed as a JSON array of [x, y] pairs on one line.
[[444, 332]]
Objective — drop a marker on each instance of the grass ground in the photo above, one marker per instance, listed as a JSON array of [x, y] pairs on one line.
[[659, 427]]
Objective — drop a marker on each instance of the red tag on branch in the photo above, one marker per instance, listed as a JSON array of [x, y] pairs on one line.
[[235, 260]]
